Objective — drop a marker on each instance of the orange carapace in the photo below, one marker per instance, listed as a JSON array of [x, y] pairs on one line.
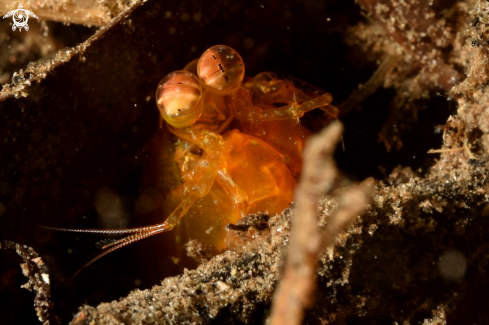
[[239, 144]]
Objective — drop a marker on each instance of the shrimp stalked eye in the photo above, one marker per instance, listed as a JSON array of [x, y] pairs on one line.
[[179, 98], [221, 70]]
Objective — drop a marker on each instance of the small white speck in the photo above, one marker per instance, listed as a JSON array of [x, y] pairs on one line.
[[222, 286], [45, 277]]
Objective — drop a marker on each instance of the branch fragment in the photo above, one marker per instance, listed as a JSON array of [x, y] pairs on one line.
[[32, 268], [297, 287]]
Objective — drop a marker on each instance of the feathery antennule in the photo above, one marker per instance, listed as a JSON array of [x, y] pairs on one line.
[[125, 241], [107, 231], [106, 243], [101, 244], [110, 245]]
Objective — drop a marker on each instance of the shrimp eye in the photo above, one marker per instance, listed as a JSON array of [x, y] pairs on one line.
[[221, 70], [179, 98]]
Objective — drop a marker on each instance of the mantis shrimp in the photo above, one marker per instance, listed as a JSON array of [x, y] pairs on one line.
[[237, 151]]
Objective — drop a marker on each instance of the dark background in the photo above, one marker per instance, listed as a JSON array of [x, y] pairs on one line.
[[78, 132]]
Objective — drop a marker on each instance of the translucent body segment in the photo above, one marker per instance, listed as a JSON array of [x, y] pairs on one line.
[[259, 171], [179, 98], [200, 169], [288, 112], [268, 92], [221, 70], [256, 107], [215, 111], [207, 218], [287, 137], [295, 111], [233, 190], [266, 89], [243, 111]]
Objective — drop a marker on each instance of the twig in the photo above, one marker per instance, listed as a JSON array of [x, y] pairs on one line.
[[39, 72], [32, 268], [319, 175]]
